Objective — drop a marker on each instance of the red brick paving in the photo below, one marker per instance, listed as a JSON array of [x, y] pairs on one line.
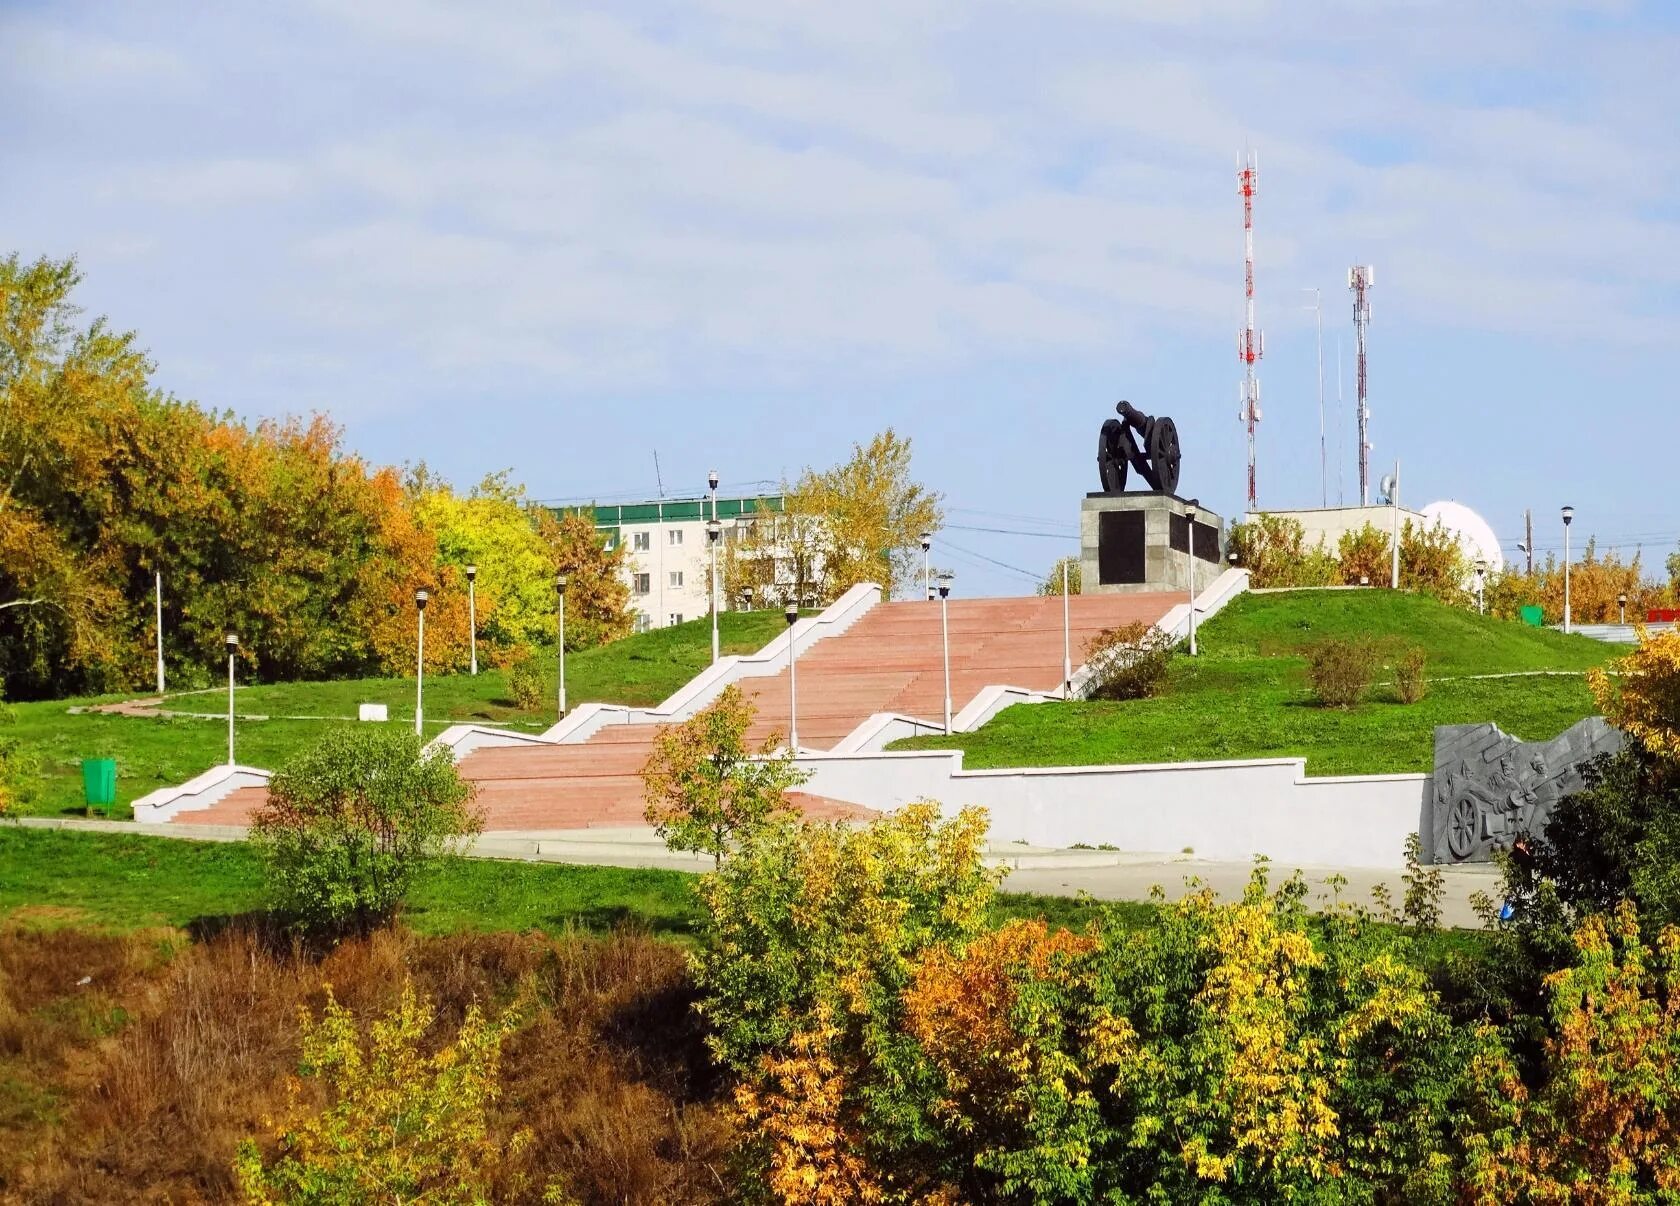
[[888, 661]]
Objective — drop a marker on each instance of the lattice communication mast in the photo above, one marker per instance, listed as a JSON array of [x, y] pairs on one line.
[[1251, 345], [1360, 280]]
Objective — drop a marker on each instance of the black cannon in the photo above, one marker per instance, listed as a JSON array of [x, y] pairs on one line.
[[1138, 441]]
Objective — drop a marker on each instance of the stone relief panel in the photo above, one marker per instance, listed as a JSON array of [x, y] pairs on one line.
[[1488, 788]]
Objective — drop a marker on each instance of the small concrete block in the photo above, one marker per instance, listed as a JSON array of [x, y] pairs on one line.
[[372, 712]]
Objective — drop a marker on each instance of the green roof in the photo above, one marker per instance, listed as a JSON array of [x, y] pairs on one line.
[[675, 510]]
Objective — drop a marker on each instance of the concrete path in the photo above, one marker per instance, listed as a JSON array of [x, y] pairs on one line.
[[1133, 881], [1104, 874]]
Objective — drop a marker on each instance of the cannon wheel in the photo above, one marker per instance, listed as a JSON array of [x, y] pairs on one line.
[[1163, 453], [1463, 828]]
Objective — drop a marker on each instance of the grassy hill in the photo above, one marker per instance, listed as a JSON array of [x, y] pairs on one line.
[[153, 752], [1246, 695]]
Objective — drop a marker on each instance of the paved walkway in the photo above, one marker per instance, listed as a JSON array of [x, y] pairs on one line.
[[1104, 874]]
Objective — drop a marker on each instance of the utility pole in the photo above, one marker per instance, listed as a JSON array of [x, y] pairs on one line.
[[1528, 538]]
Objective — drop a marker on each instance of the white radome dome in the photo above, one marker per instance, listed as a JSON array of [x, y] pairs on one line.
[[1474, 533]]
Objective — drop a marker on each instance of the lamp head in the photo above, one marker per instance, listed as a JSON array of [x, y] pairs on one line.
[[472, 572], [560, 581], [714, 529], [1190, 509], [712, 479], [1568, 516], [927, 541], [420, 598], [791, 612], [232, 642], [1621, 598], [944, 582]]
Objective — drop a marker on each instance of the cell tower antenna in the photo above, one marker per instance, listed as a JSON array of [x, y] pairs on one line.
[[1360, 280], [1250, 344]]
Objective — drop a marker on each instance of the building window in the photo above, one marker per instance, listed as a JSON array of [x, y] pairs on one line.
[[676, 617], [674, 535], [640, 542], [644, 622], [676, 578], [642, 583]]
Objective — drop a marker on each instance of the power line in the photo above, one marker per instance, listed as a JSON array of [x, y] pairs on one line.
[[963, 527], [957, 548]]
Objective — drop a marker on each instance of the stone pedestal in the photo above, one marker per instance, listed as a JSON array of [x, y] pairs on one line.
[[1140, 541]]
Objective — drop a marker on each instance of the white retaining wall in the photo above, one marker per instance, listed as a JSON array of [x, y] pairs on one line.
[[1221, 810]]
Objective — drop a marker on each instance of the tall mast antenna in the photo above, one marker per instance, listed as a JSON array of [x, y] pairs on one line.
[[1360, 280], [1250, 344]]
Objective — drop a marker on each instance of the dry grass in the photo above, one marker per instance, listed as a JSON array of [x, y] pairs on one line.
[[137, 1082]]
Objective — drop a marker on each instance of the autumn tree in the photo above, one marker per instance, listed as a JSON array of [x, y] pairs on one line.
[[866, 516], [705, 785], [775, 558], [1642, 698], [597, 593]]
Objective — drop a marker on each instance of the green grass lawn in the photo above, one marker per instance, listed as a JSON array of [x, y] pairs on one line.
[[1246, 694], [123, 882], [156, 752]]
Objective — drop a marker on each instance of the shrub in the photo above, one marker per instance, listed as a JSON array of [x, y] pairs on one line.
[[810, 938], [1409, 683], [525, 681], [1273, 549], [1366, 553], [1599, 1124], [351, 821], [705, 787], [1340, 670], [400, 1124], [1128, 662]]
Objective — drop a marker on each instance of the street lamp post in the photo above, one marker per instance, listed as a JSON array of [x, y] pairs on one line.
[[927, 572], [560, 580], [1621, 609], [1190, 510], [1568, 518], [159, 574], [232, 649], [1067, 638], [945, 641], [1481, 585], [714, 533], [472, 619], [792, 615], [420, 598]]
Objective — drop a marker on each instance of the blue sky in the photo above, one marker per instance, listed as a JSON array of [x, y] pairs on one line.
[[557, 238]]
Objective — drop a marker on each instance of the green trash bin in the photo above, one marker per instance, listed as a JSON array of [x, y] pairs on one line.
[[99, 782], [1533, 616]]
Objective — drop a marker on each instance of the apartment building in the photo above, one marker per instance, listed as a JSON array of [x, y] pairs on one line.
[[667, 561]]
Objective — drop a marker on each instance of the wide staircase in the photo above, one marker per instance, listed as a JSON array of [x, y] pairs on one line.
[[890, 660]]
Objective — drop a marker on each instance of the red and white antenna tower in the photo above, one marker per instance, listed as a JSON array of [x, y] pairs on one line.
[[1360, 280], [1250, 344]]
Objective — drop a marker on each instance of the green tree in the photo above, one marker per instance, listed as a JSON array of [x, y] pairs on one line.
[[352, 820], [495, 529], [1274, 551], [868, 515], [706, 788], [1052, 584]]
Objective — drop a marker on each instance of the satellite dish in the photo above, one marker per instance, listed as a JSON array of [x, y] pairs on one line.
[[1387, 487]]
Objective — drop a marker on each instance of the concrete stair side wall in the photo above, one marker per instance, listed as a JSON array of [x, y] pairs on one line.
[[196, 794], [588, 719]]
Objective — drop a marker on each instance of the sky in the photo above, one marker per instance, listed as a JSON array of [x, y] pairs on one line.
[[563, 239]]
